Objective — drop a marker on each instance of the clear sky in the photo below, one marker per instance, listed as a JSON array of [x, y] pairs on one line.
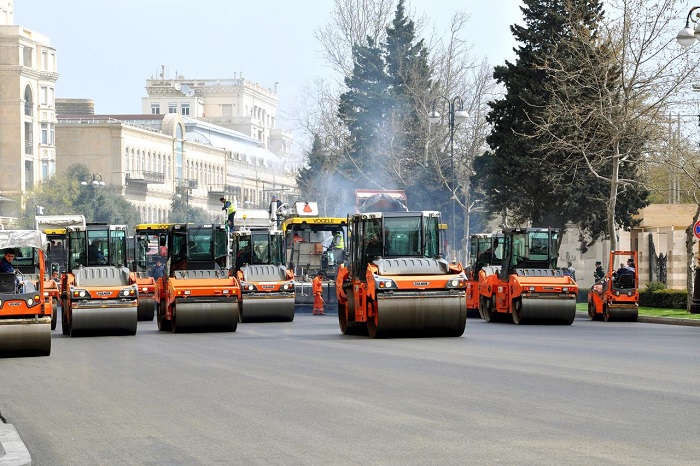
[[107, 49]]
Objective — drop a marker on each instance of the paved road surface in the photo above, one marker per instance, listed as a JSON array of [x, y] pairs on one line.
[[300, 393]]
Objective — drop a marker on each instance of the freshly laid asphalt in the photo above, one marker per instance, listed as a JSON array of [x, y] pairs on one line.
[[13, 451]]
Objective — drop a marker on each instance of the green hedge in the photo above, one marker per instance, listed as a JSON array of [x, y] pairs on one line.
[[664, 298]]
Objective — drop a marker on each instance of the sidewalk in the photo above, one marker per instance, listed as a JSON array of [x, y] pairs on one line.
[[655, 320], [13, 452]]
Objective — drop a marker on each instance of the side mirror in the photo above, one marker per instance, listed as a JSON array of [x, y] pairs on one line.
[[162, 240]]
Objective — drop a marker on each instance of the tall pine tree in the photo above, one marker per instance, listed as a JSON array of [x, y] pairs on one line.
[[382, 109], [521, 174]]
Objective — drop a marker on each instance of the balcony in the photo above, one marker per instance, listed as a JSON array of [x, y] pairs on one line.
[[145, 177], [218, 190], [187, 183]]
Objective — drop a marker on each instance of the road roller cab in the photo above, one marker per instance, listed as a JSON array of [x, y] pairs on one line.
[[143, 251], [25, 310], [54, 227], [97, 293], [267, 285], [396, 282], [528, 288], [197, 292], [616, 296], [485, 256], [314, 244]]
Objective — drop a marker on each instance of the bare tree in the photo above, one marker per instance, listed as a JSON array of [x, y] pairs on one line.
[[459, 73], [628, 75], [352, 21]]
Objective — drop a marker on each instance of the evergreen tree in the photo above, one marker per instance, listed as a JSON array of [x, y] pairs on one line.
[[522, 175], [364, 108], [410, 83], [383, 109], [317, 181]]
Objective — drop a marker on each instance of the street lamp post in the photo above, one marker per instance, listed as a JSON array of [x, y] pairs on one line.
[[456, 114], [95, 182], [688, 35]]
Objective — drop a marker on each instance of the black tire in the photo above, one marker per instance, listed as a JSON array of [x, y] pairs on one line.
[[487, 313], [145, 309], [372, 322], [173, 320], [163, 324], [65, 325], [54, 314], [517, 307], [343, 318]]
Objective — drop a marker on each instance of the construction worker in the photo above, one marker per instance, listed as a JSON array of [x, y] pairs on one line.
[[338, 247], [599, 273], [230, 212], [275, 204], [317, 288], [338, 242]]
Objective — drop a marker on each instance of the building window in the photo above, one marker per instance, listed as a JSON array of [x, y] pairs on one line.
[[172, 107], [155, 109], [44, 60], [28, 102], [48, 134], [226, 110], [28, 139], [185, 108], [27, 56], [43, 96], [28, 175], [44, 169]]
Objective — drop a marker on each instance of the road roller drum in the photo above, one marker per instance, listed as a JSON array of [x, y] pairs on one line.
[[222, 316], [418, 316], [146, 309], [25, 337], [267, 309], [560, 311], [118, 320]]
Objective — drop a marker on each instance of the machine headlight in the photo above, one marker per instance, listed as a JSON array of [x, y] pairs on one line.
[[30, 301], [456, 282], [617, 293], [46, 293], [385, 284], [565, 289], [629, 293], [144, 289]]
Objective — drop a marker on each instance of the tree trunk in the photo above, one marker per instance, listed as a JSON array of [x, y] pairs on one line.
[[692, 275], [612, 232]]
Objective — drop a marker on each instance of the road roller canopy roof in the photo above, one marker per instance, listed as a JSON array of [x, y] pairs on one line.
[[58, 222], [152, 228], [22, 238]]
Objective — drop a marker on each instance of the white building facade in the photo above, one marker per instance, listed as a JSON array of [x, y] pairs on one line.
[[28, 74]]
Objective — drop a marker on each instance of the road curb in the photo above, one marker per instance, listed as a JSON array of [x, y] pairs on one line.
[[657, 320], [13, 452]]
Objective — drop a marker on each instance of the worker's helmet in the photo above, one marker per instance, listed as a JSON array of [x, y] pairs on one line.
[[598, 262]]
